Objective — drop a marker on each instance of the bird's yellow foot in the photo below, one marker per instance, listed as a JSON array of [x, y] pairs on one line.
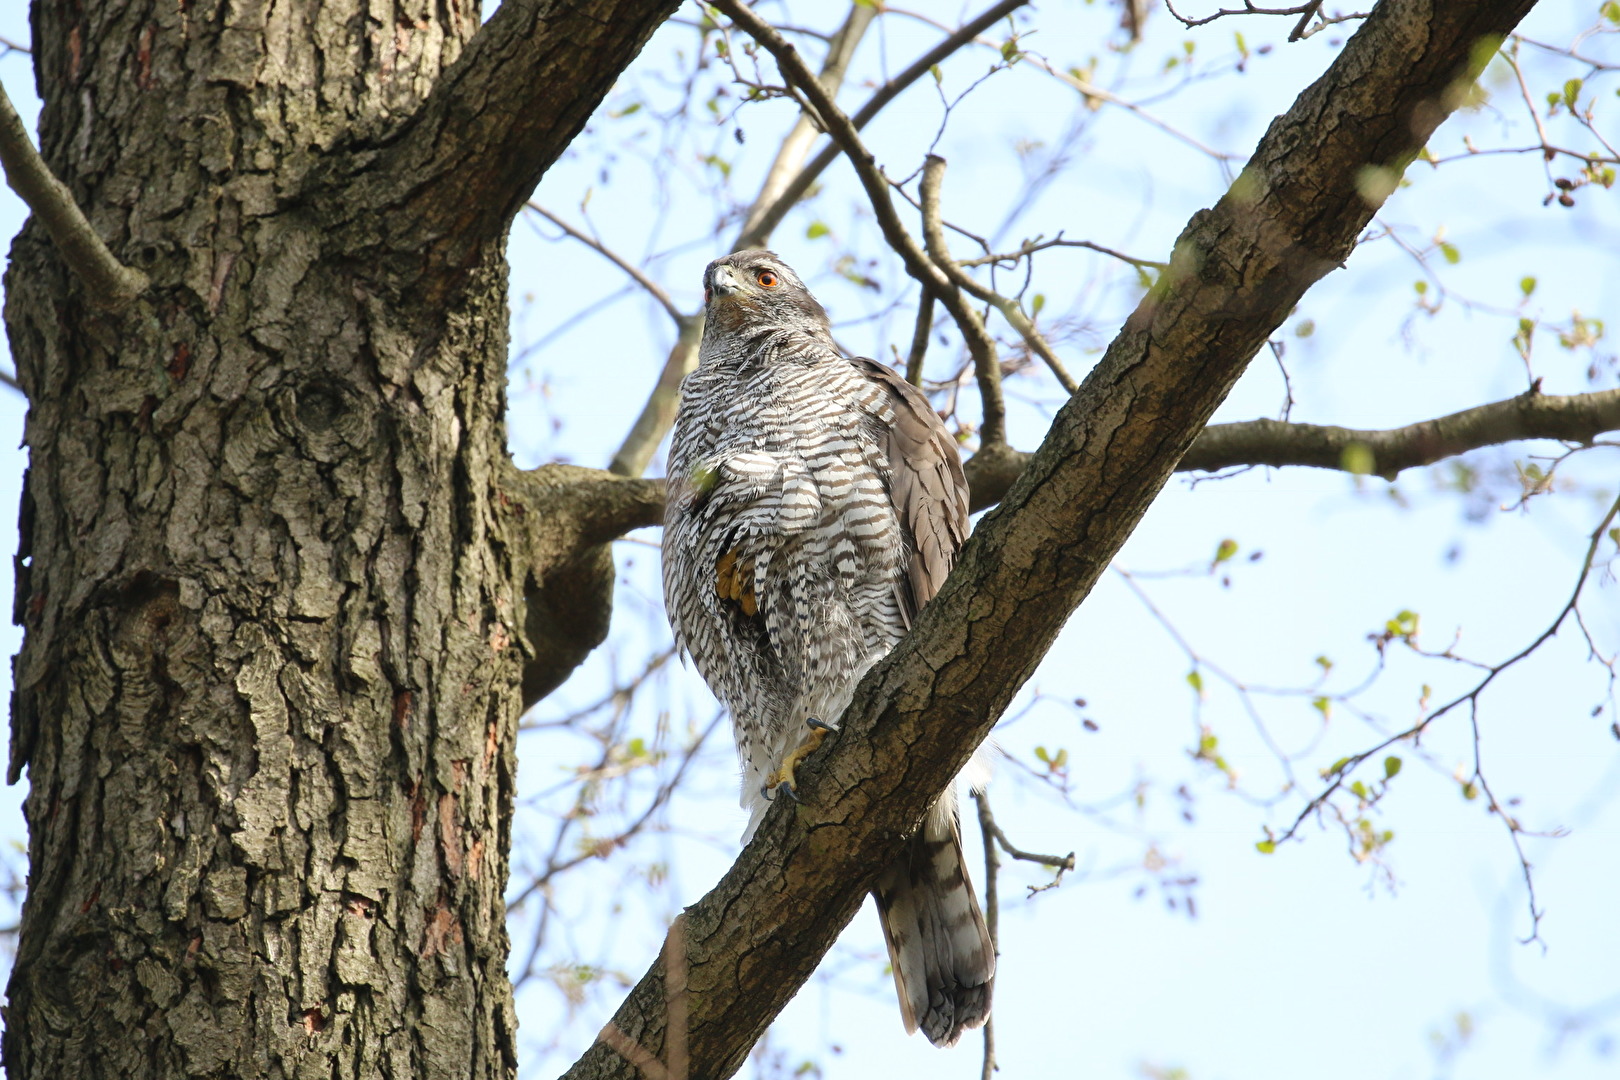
[[782, 779]]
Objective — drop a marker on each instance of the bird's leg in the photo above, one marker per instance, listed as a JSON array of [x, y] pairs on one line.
[[782, 779]]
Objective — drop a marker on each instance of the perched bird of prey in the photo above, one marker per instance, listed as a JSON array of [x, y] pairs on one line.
[[816, 503]]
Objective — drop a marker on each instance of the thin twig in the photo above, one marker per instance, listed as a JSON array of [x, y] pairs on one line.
[[1305, 18], [1471, 698], [1029, 247], [933, 176], [677, 1060], [636, 274], [1248, 8], [992, 913], [109, 283], [633, 1052], [759, 235], [796, 146]]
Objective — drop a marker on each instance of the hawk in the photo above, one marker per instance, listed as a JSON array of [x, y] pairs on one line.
[[816, 503]]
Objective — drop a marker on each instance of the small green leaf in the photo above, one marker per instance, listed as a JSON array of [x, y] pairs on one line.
[[1265, 847], [1359, 789], [1572, 91], [1392, 767], [1061, 758], [1527, 285], [1325, 664], [1611, 11], [1357, 458], [1449, 252], [1337, 767], [1305, 328], [1042, 755], [1196, 681], [933, 70], [1325, 707], [1470, 790], [703, 478], [817, 230], [1225, 550], [1036, 303]]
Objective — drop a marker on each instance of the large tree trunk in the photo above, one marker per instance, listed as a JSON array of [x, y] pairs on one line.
[[274, 560]]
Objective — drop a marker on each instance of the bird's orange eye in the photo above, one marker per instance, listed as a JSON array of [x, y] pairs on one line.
[[767, 278]]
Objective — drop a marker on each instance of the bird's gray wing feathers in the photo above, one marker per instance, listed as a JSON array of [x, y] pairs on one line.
[[939, 947], [926, 485]]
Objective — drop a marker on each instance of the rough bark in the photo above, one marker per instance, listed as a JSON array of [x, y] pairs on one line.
[[1237, 271], [274, 557]]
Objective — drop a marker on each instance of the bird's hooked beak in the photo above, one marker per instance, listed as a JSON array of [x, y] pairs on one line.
[[722, 281]]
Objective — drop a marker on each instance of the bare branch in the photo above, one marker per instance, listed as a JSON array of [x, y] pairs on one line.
[[108, 283], [919, 338], [658, 415], [1237, 272], [843, 132], [933, 175], [796, 146], [760, 234], [655, 290], [1575, 418], [986, 369]]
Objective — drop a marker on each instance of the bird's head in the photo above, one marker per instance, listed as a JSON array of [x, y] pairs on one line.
[[756, 288]]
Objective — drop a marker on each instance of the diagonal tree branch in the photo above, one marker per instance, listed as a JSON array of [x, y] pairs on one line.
[[796, 146], [448, 183], [1237, 271], [108, 283]]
